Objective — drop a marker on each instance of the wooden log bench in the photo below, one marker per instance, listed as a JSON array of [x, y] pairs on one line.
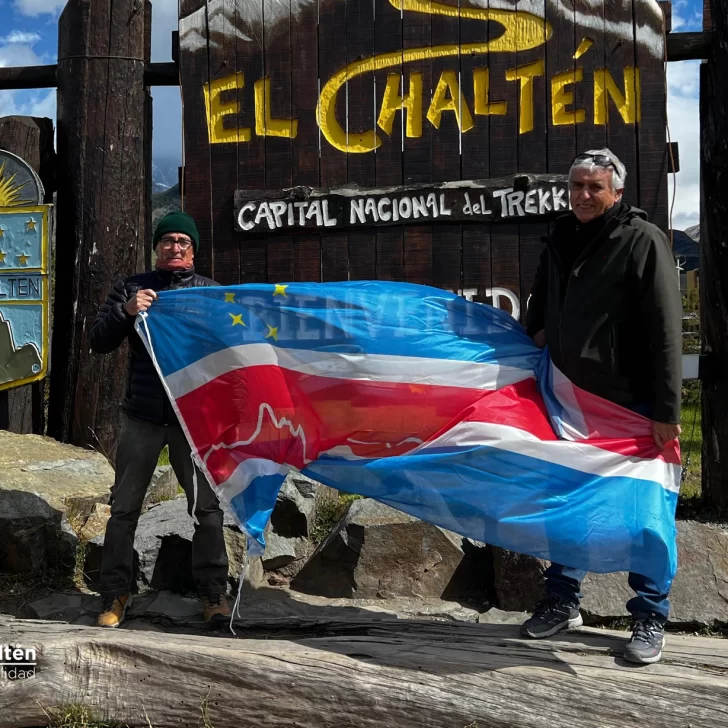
[[326, 673]]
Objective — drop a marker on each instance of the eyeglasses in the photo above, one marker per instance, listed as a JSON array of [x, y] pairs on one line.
[[600, 160], [169, 242]]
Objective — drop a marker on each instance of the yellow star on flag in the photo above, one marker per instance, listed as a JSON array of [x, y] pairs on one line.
[[229, 298], [237, 318], [23, 259], [272, 332], [2, 256], [280, 290], [30, 226]]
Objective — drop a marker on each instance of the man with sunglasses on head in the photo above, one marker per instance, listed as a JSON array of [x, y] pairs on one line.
[[606, 302], [148, 423]]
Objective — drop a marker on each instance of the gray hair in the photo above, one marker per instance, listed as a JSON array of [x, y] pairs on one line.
[[619, 171]]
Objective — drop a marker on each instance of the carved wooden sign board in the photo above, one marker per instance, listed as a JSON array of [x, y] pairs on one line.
[[409, 139]]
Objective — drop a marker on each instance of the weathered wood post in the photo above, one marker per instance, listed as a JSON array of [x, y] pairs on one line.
[[103, 213], [22, 409], [714, 257]]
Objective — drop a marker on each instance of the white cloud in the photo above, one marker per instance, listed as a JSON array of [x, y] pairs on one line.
[[20, 36], [29, 103], [683, 85], [17, 54], [34, 8]]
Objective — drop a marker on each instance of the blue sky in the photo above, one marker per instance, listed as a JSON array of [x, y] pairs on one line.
[[28, 36]]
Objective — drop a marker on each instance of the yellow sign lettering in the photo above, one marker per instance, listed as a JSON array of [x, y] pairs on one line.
[[411, 103], [561, 98], [526, 74], [216, 110], [629, 103], [265, 125], [456, 103], [483, 106]]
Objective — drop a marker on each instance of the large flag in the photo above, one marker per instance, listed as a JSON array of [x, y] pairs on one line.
[[432, 404]]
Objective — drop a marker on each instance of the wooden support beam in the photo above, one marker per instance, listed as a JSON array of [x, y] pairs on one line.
[[363, 674], [27, 77], [714, 261], [102, 206], [688, 46]]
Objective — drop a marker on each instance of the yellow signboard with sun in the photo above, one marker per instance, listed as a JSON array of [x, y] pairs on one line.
[[24, 274]]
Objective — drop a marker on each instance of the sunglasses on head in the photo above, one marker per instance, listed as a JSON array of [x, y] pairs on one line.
[[600, 160]]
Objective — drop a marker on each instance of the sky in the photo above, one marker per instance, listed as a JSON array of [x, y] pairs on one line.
[[28, 36]]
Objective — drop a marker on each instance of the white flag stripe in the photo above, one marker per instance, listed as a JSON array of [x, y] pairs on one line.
[[336, 365]]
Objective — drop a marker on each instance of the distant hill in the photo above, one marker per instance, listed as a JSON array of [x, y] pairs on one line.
[[164, 202], [694, 233]]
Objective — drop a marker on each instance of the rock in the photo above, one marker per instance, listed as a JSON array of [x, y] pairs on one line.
[[163, 486], [45, 487], [378, 552], [96, 523], [498, 616], [699, 593], [281, 551], [33, 535], [163, 550], [294, 513], [61, 607], [171, 605], [63, 475]]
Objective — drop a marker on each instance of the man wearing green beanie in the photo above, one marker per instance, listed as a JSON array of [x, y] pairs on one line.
[[148, 423]]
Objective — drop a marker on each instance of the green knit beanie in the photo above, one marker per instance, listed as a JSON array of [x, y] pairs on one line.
[[177, 222]]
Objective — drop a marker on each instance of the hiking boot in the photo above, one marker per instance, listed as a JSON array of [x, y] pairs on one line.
[[648, 639], [551, 616], [216, 608], [113, 610]]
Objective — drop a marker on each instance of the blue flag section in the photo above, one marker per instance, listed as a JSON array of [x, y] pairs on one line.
[[432, 404]]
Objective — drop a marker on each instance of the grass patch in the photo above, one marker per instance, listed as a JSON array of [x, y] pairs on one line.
[[164, 456], [691, 442], [329, 513], [78, 716]]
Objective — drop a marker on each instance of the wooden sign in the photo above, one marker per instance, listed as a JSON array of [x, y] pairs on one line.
[[302, 209], [407, 95], [24, 294]]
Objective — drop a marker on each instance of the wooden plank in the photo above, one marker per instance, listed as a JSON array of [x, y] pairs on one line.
[[475, 159], [222, 55], [332, 42], [305, 162], [447, 242], [589, 26], [621, 137], [390, 259], [417, 150], [532, 152], [651, 134], [505, 247], [194, 71], [360, 673], [279, 149]]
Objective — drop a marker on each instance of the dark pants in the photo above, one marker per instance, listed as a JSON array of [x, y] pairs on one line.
[[565, 583], [137, 455]]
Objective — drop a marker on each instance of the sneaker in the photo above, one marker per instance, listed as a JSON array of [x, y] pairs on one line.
[[648, 639], [113, 610], [551, 616], [216, 608]]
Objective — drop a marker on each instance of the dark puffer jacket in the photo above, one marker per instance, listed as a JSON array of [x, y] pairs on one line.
[[145, 397]]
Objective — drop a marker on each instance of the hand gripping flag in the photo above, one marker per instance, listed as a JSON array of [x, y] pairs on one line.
[[432, 404]]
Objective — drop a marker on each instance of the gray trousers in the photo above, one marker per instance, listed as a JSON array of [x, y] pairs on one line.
[[137, 454]]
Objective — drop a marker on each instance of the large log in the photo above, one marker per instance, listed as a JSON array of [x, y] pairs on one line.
[[103, 205], [22, 409], [385, 673], [714, 259]]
